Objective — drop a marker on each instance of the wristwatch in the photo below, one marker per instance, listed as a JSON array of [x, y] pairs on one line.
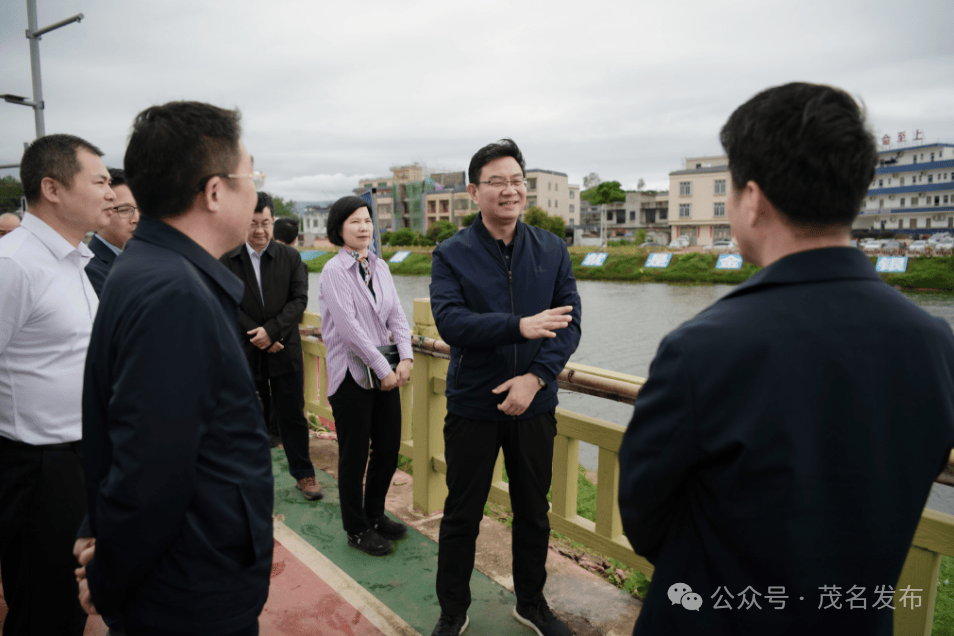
[[542, 382]]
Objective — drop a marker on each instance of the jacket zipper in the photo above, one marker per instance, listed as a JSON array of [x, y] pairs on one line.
[[460, 363], [510, 286]]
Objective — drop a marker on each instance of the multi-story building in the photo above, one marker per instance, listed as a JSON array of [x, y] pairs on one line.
[[550, 191], [314, 223], [697, 197], [649, 210], [574, 209], [912, 191]]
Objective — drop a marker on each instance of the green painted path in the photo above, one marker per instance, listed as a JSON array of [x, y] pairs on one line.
[[403, 580]]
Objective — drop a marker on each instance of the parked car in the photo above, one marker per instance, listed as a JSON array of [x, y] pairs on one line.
[[720, 246], [679, 243], [871, 245], [918, 246], [891, 246]]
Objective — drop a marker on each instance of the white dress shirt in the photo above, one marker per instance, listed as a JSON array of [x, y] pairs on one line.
[[257, 266], [47, 306]]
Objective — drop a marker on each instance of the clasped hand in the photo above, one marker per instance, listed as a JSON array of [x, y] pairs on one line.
[[83, 550], [521, 391], [398, 377]]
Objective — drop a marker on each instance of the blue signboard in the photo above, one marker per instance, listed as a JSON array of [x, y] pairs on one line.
[[594, 259], [307, 256], [658, 260], [399, 257], [729, 261], [892, 264]]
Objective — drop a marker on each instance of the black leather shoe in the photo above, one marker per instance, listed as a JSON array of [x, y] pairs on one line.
[[540, 619], [451, 625], [389, 529], [370, 542]]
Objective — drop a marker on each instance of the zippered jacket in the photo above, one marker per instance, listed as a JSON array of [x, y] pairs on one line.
[[477, 302]]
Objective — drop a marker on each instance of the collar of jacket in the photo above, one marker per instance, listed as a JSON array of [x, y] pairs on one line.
[[164, 235], [825, 264], [490, 242]]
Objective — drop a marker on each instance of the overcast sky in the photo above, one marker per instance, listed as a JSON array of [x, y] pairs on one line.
[[331, 92]]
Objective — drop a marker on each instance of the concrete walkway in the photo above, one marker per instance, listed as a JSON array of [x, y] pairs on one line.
[[321, 586]]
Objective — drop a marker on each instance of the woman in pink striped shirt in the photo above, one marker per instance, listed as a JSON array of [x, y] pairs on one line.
[[360, 312]]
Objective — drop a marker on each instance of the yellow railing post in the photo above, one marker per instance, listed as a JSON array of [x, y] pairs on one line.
[[428, 379], [566, 458], [608, 521], [915, 593]]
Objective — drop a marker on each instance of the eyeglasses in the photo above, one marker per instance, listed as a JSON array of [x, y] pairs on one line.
[[257, 177], [500, 183], [264, 225], [124, 210]]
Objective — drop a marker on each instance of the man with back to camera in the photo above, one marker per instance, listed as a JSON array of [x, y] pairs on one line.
[[774, 454], [504, 297], [108, 242], [8, 222], [286, 231], [178, 467], [276, 294], [47, 308]]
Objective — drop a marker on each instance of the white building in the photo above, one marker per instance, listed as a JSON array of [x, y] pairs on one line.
[[912, 191]]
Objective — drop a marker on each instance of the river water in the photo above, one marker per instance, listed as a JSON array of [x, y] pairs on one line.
[[622, 326]]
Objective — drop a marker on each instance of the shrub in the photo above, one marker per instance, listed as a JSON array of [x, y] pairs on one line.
[[403, 236], [440, 227], [385, 237], [468, 220], [443, 236]]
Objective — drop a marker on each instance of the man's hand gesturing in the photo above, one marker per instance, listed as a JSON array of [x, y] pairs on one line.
[[545, 323]]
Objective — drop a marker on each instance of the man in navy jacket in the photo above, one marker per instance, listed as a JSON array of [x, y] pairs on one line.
[[784, 444], [504, 297], [109, 241], [176, 454]]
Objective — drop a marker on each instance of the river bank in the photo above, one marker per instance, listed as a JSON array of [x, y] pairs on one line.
[[625, 265]]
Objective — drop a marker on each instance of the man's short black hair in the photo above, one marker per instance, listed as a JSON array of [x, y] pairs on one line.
[[117, 177], [285, 229], [339, 213], [53, 156], [808, 148], [175, 146], [265, 201], [496, 150]]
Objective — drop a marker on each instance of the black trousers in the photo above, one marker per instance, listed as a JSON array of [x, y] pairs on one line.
[[42, 503], [365, 417], [283, 397], [471, 448]]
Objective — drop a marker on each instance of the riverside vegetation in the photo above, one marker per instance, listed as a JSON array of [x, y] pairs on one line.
[[625, 264]]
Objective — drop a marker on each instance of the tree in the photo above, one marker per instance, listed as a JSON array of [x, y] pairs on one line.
[[537, 217], [283, 208], [468, 220], [640, 185], [591, 180], [10, 192], [439, 228], [606, 192]]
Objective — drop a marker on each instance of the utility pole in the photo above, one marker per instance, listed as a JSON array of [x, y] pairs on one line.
[[33, 34]]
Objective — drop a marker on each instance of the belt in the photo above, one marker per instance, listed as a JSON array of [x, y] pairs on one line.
[[61, 446]]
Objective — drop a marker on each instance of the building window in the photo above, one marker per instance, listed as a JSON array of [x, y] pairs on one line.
[[927, 223], [683, 210], [621, 216], [556, 187], [720, 186], [902, 180], [609, 215], [572, 209], [685, 188], [549, 203], [914, 202], [913, 223], [719, 209], [930, 178], [572, 194], [571, 220], [937, 200], [532, 183], [902, 202], [632, 215], [530, 200], [557, 203], [549, 186], [880, 182], [945, 198]]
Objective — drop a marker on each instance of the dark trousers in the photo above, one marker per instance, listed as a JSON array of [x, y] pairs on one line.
[[471, 448], [42, 502], [249, 630], [283, 398], [365, 417]]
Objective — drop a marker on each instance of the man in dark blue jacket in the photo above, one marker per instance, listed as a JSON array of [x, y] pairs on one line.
[[784, 444], [176, 453], [504, 297]]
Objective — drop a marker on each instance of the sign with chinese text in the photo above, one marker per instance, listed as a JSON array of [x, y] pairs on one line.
[[896, 264], [594, 259], [399, 257], [658, 260], [729, 261]]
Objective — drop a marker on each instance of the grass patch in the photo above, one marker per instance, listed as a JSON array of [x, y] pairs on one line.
[[944, 603]]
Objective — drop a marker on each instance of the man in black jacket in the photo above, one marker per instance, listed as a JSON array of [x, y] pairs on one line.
[[276, 294], [109, 242], [504, 298], [178, 469], [777, 461]]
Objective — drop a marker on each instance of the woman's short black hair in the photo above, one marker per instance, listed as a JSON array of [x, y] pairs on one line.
[[339, 213]]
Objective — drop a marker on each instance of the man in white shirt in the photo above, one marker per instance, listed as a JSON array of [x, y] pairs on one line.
[[109, 242], [47, 306]]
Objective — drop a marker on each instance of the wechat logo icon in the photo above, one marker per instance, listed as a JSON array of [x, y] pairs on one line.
[[682, 594]]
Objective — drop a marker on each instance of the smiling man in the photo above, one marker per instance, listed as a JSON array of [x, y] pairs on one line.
[[47, 308], [276, 294], [179, 472], [504, 297], [109, 242]]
